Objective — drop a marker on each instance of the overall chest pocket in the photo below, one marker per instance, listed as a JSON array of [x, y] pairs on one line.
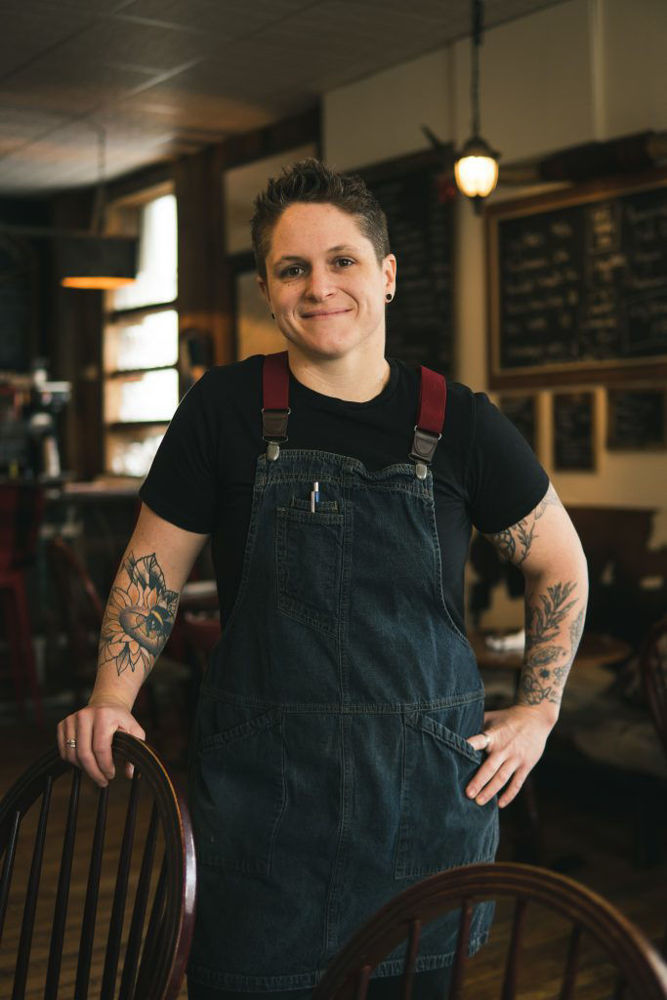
[[241, 797], [309, 560], [440, 827]]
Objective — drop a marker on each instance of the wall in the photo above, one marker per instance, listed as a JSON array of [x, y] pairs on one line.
[[571, 73]]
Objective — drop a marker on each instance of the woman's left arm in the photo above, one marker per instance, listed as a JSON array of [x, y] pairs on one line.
[[546, 548]]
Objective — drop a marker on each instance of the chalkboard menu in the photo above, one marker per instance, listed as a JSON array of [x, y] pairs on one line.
[[418, 202], [521, 411], [637, 419], [579, 284], [574, 439]]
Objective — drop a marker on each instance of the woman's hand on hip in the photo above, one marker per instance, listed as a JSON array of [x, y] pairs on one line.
[[89, 733], [514, 740]]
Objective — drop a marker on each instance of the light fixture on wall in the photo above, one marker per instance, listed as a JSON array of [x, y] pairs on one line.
[[476, 166], [95, 260]]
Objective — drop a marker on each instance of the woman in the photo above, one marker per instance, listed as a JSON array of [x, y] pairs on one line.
[[341, 750]]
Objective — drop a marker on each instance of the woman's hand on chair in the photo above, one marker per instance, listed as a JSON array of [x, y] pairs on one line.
[[85, 737]]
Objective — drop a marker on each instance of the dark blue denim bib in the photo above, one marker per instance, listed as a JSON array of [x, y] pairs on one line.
[[330, 762]]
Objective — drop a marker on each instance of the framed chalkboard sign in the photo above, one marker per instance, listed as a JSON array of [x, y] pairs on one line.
[[578, 285], [574, 431], [637, 419], [418, 200], [521, 410]]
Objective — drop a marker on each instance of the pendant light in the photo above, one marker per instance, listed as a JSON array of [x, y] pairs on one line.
[[476, 166], [95, 260]]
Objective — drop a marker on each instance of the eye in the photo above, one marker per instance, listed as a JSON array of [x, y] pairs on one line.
[[293, 271], [344, 262]]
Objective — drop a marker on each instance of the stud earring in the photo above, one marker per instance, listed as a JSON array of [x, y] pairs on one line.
[[273, 315], [389, 296]]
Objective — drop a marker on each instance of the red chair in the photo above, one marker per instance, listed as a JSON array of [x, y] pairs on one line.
[[81, 611], [21, 512], [570, 933]]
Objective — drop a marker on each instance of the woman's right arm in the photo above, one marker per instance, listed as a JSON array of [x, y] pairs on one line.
[[137, 622]]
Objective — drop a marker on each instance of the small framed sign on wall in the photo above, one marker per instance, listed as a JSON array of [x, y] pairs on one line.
[[574, 432], [637, 419]]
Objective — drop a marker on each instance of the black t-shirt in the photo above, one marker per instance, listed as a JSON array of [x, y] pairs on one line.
[[484, 472]]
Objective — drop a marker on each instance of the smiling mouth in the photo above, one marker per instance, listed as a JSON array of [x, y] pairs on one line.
[[321, 315]]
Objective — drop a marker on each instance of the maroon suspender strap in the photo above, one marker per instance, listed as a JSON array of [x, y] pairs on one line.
[[275, 401], [430, 418]]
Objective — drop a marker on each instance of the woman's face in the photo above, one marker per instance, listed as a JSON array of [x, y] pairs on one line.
[[324, 283]]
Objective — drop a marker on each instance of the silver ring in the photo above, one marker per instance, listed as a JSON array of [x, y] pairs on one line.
[[70, 743]]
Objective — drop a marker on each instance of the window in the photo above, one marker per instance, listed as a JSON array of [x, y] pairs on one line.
[[140, 346]]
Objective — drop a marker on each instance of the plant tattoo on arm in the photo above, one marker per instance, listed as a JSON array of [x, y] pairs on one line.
[[548, 654], [541, 679], [139, 617]]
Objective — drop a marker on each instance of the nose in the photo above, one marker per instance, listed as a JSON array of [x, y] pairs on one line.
[[319, 284]]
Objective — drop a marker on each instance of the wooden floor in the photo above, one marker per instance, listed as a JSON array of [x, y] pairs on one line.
[[589, 826]]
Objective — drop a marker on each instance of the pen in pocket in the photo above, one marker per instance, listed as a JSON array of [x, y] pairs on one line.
[[314, 497]]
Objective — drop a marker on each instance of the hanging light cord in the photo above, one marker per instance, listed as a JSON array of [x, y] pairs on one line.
[[477, 19], [99, 202]]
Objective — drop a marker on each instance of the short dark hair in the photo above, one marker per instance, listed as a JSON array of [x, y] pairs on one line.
[[311, 181]]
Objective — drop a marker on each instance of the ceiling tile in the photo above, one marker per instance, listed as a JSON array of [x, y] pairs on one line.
[[26, 34], [231, 18]]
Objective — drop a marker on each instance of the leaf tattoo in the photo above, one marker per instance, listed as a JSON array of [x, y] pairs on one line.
[[542, 623]]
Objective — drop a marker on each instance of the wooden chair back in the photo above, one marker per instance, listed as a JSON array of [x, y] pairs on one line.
[[85, 909], [637, 970]]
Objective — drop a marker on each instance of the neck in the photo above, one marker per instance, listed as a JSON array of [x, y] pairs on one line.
[[342, 378]]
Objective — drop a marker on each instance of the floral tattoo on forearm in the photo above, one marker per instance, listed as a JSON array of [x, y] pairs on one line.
[[138, 618]]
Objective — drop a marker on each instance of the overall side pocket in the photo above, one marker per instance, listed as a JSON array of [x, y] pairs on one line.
[[440, 827], [240, 794]]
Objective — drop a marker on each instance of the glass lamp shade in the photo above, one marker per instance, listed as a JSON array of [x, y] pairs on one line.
[[97, 261], [476, 169]]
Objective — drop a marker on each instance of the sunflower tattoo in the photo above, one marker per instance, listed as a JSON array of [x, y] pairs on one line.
[[139, 618]]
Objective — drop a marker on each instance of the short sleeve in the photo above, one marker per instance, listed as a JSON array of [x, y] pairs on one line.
[[504, 479], [181, 483]]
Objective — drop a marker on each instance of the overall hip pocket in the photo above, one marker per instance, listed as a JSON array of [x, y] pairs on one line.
[[239, 794], [309, 558], [440, 827]]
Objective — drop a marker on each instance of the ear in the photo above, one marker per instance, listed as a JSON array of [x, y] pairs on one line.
[[389, 267], [264, 289]]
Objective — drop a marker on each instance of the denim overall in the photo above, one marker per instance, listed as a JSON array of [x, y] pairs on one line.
[[331, 759]]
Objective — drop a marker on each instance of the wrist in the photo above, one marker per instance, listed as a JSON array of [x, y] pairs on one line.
[[101, 699], [547, 711]]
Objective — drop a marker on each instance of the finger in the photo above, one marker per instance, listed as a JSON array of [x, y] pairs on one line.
[[87, 754], [67, 739], [499, 780], [483, 775], [480, 741], [512, 789], [60, 739], [140, 734]]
